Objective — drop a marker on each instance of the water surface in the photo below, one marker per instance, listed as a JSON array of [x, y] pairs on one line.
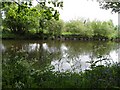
[[63, 55]]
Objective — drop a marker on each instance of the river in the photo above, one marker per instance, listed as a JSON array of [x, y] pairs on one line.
[[74, 56]]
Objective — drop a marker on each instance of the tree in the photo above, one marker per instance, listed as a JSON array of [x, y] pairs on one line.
[[114, 5], [19, 18], [110, 4], [103, 29], [54, 27], [22, 16], [48, 12]]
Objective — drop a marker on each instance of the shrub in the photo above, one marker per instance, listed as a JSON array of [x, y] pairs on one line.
[[96, 29], [21, 73], [75, 27], [103, 29], [55, 27]]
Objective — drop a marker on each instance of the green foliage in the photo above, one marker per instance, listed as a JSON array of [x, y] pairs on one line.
[[74, 27], [93, 29], [18, 72], [21, 17], [54, 27], [103, 29], [15, 65], [110, 4], [103, 77], [89, 31], [19, 20], [41, 21]]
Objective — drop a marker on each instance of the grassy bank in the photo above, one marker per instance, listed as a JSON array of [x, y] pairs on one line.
[[64, 36], [71, 30], [21, 73]]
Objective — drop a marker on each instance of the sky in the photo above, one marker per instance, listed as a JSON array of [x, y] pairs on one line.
[[86, 9]]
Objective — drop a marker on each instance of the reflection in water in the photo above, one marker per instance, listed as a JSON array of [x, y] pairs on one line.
[[49, 49], [32, 47], [45, 46], [65, 56], [2, 48], [63, 50], [114, 55], [74, 64]]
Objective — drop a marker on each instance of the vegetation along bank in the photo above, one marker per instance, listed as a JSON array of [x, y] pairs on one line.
[[24, 21]]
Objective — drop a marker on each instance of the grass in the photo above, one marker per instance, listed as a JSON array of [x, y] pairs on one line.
[[67, 33]]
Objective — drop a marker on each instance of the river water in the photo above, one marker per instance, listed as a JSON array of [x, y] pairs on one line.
[[74, 56]]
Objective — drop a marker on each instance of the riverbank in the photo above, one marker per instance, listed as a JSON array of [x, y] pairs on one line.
[[71, 30], [62, 37]]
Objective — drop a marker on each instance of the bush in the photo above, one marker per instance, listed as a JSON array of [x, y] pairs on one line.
[[21, 73], [54, 28], [75, 27], [103, 29], [84, 29], [96, 29]]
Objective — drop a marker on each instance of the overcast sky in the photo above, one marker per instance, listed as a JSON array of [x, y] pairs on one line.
[[87, 9]]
